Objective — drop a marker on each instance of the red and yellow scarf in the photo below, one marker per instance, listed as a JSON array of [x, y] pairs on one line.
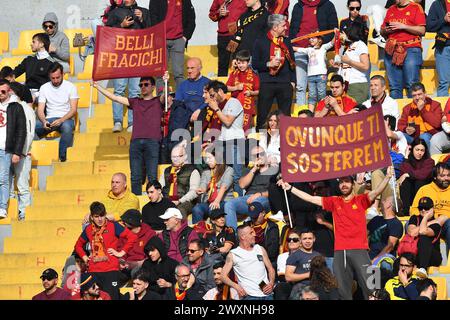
[[179, 295], [173, 180], [212, 188], [247, 102], [223, 293], [278, 47], [98, 245], [414, 116]]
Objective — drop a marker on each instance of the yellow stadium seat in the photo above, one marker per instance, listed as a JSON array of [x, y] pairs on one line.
[[441, 283], [161, 169], [34, 179], [442, 101], [24, 45], [143, 199], [44, 152], [402, 103], [86, 74], [13, 62], [373, 53], [70, 33], [84, 92], [430, 35], [72, 65], [430, 61], [429, 79], [4, 42]]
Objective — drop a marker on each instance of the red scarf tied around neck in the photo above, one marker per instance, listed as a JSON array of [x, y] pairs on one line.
[[279, 49]]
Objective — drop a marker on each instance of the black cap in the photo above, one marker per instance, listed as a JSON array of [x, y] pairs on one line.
[[254, 209], [132, 217], [425, 203], [216, 213], [49, 274], [87, 280]]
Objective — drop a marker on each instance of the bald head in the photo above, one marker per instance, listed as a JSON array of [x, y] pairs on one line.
[[194, 68], [118, 183]]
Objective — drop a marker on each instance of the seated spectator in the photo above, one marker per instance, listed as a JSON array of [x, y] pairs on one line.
[[201, 265], [221, 291], [322, 279], [216, 187], [293, 244], [379, 96], [36, 67], [339, 103], [270, 141], [427, 289], [308, 294], [156, 207], [415, 172], [256, 182], [181, 291], [58, 103], [422, 117], [140, 289], [440, 142], [59, 48], [403, 286], [159, 266], [51, 291], [181, 181], [177, 235], [7, 73], [428, 229], [90, 289]]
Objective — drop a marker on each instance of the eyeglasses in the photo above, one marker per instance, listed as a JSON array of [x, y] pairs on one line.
[[144, 85], [293, 240], [406, 265], [48, 26], [192, 251], [354, 8], [259, 155]]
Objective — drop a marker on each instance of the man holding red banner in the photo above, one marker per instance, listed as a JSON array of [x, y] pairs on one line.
[[351, 257]]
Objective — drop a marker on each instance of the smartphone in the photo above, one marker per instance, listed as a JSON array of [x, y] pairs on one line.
[[262, 284], [411, 124]]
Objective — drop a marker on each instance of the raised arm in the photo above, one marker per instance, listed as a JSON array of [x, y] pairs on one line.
[[375, 193], [302, 195], [110, 95]]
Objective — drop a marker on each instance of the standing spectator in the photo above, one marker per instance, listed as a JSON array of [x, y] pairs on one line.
[[354, 17], [278, 7], [221, 291], [146, 136], [339, 103], [270, 141], [201, 265], [415, 172], [349, 215], [140, 289], [427, 289], [251, 265], [251, 25], [13, 134], [36, 67], [422, 117], [225, 13], [378, 96], [177, 235], [243, 83], [231, 141], [51, 291], [440, 142], [438, 20], [322, 279], [90, 289], [156, 207], [273, 58], [103, 237], [59, 43], [179, 16], [182, 289], [308, 16], [403, 286], [58, 104], [403, 57], [127, 16]]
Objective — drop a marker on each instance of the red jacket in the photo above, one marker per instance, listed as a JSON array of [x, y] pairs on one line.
[[113, 232], [136, 253], [236, 8], [428, 119]]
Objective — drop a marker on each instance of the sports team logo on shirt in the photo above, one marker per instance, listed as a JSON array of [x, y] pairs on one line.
[[2, 118], [354, 207]]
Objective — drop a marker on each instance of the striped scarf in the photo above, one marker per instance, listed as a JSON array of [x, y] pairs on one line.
[[98, 245], [212, 193], [279, 49], [180, 295], [173, 180]]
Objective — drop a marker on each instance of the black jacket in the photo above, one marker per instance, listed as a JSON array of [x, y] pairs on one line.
[[272, 242], [326, 18], [193, 293], [16, 129], [435, 19], [249, 28], [116, 16], [158, 12], [36, 71]]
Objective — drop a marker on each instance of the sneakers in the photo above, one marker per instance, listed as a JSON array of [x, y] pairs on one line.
[[130, 128], [422, 273], [379, 41], [117, 127], [21, 216], [3, 214]]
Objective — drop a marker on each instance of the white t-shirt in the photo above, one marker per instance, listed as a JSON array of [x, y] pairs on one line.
[[57, 99], [234, 108], [401, 145], [317, 64], [273, 149], [281, 262], [350, 74], [250, 270], [211, 294], [3, 122], [389, 106]]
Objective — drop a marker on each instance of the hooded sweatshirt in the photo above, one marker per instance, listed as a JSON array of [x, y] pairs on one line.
[[60, 41], [136, 253], [162, 269]]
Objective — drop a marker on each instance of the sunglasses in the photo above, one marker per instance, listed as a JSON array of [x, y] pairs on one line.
[[48, 26], [259, 155], [354, 8], [293, 240], [192, 251], [47, 278], [144, 85]]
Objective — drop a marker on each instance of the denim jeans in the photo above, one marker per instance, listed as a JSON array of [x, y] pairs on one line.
[[21, 171], [425, 136], [144, 153], [120, 86], [239, 206], [236, 148], [317, 88], [266, 298], [404, 76], [301, 69], [201, 211], [5, 170], [443, 70], [66, 130]]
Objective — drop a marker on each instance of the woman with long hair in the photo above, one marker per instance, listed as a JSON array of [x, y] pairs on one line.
[[415, 172], [270, 140], [322, 279]]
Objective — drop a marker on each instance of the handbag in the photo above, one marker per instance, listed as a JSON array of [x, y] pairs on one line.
[[78, 40]]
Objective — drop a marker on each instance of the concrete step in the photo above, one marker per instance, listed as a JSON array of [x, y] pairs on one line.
[[69, 197], [28, 276], [111, 167], [50, 243], [102, 124], [72, 168], [80, 182], [35, 228], [43, 259], [19, 291], [57, 212], [102, 139], [98, 153]]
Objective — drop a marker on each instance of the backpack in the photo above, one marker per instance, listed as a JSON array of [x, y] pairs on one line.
[[409, 243]]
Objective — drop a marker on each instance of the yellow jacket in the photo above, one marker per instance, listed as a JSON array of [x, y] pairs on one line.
[[118, 205], [440, 197]]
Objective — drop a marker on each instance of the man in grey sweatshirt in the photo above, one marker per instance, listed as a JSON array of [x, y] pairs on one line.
[[59, 42]]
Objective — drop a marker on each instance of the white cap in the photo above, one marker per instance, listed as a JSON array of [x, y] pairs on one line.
[[172, 212]]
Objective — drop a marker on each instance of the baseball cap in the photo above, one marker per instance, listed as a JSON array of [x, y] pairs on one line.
[[132, 217], [87, 280], [216, 213], [172, 212], [425, 203], [254, 209], [49, 274]]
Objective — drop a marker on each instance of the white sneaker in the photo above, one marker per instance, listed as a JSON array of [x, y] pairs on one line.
[[117, 127], [130, 129], [379, 41], [422, 273], [3, 214]]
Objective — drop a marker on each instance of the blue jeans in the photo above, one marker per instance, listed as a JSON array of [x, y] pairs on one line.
[[404, 76], [66, 130], [425, 136], [201, 211], [5, 170], [329, 262], [266, 298], [119, 90], [443, 70], [301, 70], [317, 88], [144, 153], [239, 206]]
